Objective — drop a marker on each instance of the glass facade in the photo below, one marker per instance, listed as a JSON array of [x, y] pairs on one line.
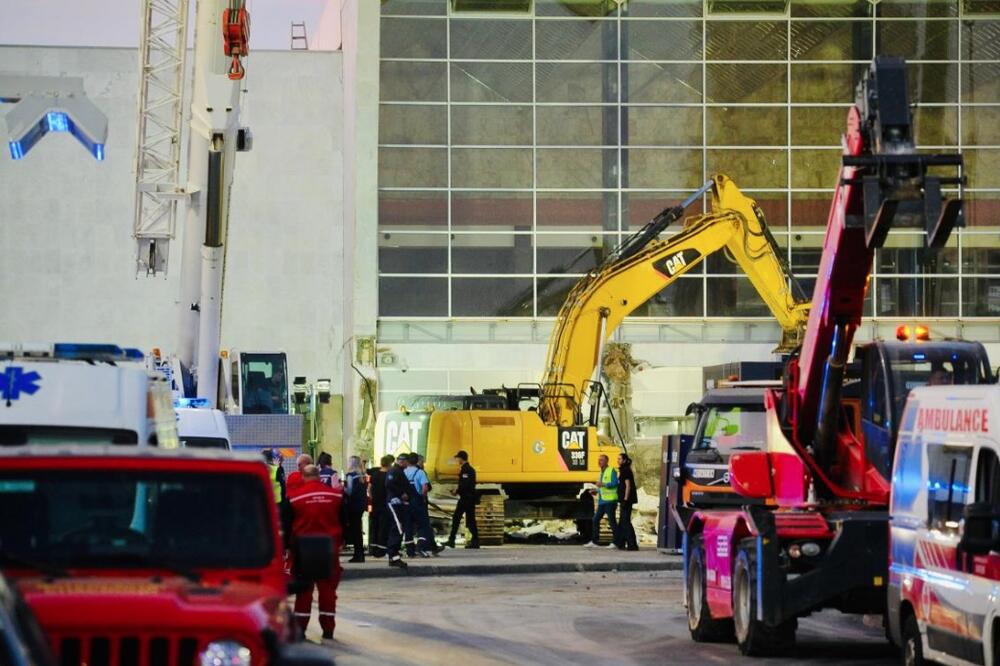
[[517, 147]]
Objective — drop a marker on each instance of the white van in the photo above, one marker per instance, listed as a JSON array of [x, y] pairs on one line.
[[82, 393], [944, 556], [200, 427]]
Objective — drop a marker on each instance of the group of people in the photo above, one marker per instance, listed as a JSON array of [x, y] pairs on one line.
[[314, 500], [615, 489]]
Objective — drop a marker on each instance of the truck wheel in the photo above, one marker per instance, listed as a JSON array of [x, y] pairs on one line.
[[913, 647], [703, 627], [753, 636], [490, 519]]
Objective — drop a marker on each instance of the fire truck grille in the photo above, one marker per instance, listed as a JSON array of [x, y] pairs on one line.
[[127, 650]]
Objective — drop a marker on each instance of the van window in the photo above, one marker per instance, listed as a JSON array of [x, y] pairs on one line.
[[988, 477], [947, 485]]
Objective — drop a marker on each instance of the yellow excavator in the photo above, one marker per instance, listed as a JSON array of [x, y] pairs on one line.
[[535, 446]]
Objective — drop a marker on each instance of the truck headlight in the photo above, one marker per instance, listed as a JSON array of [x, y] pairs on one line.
[[225, 653]]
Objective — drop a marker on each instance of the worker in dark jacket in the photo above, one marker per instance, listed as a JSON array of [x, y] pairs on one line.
[[466, 492], [378, 519], [397, 492], [627, 498]]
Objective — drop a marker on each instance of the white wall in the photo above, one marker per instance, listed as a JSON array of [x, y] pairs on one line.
[[67, 267]]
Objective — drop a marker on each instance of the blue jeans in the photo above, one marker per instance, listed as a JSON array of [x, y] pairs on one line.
[[604, 509]]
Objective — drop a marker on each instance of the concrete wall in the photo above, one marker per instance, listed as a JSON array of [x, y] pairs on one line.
[[66, 252]]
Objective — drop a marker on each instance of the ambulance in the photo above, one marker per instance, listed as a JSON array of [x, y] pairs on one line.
[[84, 394], [199, 426], [944, 568]]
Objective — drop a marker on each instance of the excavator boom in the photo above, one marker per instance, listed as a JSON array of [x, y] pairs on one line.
[[641, 268]]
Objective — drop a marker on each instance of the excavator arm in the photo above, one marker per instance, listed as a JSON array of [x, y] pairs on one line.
[[641, 268]]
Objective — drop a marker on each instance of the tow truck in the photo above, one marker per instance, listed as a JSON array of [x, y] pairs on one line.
[[85, 393], [534, 454], [132, 556], [818, 536]]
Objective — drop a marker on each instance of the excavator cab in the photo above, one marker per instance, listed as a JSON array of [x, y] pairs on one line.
[[254, 383]]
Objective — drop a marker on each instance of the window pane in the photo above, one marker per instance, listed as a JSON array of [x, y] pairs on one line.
[[825, 83], [577, 125], [979, 40], [662, 168], [491, 210], [413, 167], [981, 82], [414, 38], [575, 8], [815, 168], [983, 167], [831, 8], [663, 82], [638, 208], [491, 39], [664, 126], [775, 209], [980, 254], [734, 297], [576, 40], [720, 263], [491, 167], [981, 125], [573, 253], [916, 297], [747, 126], [491, 125], [919, 40], [491, 253], [750, 40], [412, 297], [981, 297], [746, 83], [491, 82], [412, 210], [570, 211], [751, 168], [488, 297], [672, 8], [932, 82], [982, 209], [807, 249], [413, 82], [413, 123], [818, 126], [552, 293], [571, 82], [917, 8], [415, 7], [683, 298], [412, 253], [577, 167], [810, 210], [936, 125], [831, 40], [662, 40], [906, 254]]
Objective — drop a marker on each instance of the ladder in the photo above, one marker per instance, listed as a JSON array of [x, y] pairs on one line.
[[299, 40]]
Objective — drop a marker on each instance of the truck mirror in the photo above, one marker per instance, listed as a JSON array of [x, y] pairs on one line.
[[304, 654], [694, 408], [978, 535], [313, 558]]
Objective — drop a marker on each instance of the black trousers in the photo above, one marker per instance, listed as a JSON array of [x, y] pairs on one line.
[[355, 535], [466, 506], [378, 530], [625, 537], [399, 526]]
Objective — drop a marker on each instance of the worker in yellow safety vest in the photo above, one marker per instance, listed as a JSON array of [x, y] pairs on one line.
[[277, 476], [607, 501]]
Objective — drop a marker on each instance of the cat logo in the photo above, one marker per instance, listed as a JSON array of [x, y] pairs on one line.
[[677, 263], [573, 440]]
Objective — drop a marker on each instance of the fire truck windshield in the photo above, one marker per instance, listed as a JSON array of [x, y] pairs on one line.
[[18, 435], [729, 427], [131, 519]]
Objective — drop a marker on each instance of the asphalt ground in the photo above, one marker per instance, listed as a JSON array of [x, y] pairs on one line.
[[559, 619]]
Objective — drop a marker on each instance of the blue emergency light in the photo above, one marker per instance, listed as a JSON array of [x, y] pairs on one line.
[[95, 352], [198, 403], [54, 121]]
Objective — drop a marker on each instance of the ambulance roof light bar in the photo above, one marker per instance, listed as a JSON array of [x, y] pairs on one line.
[[44, 104]]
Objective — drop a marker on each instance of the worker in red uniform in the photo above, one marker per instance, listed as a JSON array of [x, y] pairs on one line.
[[295, 478], [316, 510]]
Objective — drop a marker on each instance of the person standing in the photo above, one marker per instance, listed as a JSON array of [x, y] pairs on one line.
[[397, 491], [316, 510], [424, 533], [295, 478], [327, 474], [356, 493], [466, 506], [277, 473], [628, 496], [607, 500], [378, 519]]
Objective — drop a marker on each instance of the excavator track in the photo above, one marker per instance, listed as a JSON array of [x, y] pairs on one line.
[[490, 519]]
